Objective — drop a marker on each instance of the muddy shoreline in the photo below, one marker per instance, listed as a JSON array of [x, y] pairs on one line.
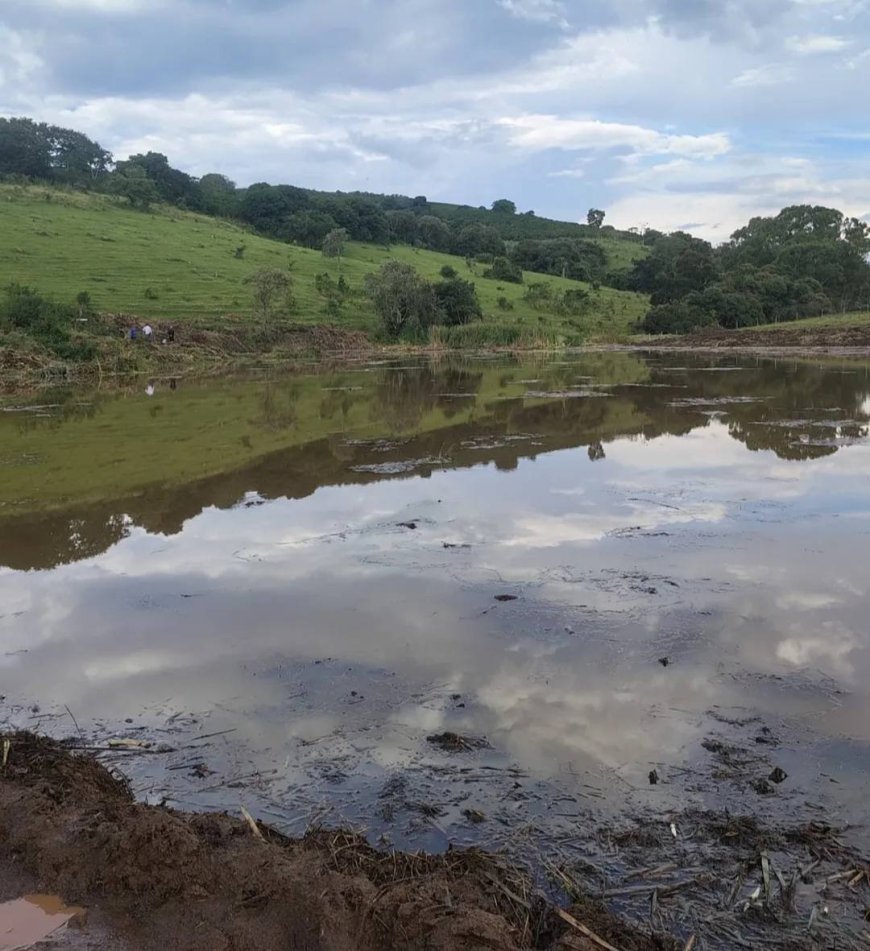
[[205, 353], [154, 877], [218, 882], [834, 341]]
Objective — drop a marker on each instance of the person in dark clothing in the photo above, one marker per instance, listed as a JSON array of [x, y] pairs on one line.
[[170, 333]]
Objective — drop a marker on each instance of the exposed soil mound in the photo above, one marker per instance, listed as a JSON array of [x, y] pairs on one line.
[[784, 337], [191, 882]]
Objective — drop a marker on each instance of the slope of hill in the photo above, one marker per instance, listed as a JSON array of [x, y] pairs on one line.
[[174, 265]]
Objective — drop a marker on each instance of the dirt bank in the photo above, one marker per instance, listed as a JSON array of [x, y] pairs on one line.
[[847, 338], [163, 879]]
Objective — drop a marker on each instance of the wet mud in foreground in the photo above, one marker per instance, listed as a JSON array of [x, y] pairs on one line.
[[171, 880], [158, 878]]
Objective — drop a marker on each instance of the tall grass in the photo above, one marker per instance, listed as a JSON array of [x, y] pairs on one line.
[[480, 336]]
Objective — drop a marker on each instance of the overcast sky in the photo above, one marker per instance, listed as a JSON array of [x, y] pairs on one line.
[[669, 113]]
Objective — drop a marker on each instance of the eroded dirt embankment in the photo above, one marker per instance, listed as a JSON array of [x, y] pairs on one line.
[[832, 338], [193, 882]]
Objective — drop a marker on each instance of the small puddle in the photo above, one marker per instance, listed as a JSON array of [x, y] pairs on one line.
[[33, 918]]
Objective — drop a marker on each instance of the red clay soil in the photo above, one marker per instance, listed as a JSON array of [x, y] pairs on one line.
[[781, 338], [190, 882]]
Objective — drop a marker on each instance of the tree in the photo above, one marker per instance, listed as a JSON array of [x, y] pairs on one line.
[[269, 286], [403, 226], [504, 206], [173, 186], [334, 242], [457, 302], [857, 233], [503, 269], [401, 297], [433, 233], [308, 228], [267, 207], [218, 196], [39, 150], [133, 184], [578, 259], [595, 218], [479, 239]]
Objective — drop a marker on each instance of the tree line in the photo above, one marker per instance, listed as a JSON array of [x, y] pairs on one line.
[[500, 237], [805, 261]]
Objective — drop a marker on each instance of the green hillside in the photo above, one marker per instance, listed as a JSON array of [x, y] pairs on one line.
[[167, 264]]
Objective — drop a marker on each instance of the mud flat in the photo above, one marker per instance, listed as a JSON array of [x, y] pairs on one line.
[[168, 879], [152, 877]]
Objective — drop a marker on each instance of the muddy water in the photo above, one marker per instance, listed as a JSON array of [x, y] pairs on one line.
[[32, 919], [590, 567]]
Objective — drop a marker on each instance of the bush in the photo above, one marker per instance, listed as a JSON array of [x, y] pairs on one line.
[[457, 302], [574, 301], [448, 272], [505, 304], [46, 322], [403, 300], [504, 270], [538, 294], [675, 318]]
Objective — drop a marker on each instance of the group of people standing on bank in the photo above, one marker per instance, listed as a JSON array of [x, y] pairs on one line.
[[146, 332]]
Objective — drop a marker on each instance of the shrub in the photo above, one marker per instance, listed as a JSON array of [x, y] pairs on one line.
[[457, 302], [504, 269], [448, 272], [46, 322], [505, 304], [403, 300]]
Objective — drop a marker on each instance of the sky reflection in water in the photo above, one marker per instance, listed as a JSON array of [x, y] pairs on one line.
[[631, 521]]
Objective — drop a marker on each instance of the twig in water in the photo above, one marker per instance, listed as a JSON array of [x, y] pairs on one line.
[[252, 823], [590, 934], [76, 722]]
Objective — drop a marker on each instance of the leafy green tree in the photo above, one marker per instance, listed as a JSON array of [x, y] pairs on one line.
[[457, 302], [271, 289], [134, 184], [578, 259], [268, 207], [49, 152], [595, 218], [473, 240], [433, 233], [308, 228], [401, 297], [403, 225], [173, 186], [218, 196], [857, 233], [504, 206], [334, 243], [503, 269]]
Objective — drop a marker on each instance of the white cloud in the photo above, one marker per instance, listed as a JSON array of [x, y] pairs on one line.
[[773, 74], [536, 11], [103, 6], [816, 43], [539, 132], [19, 63]]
